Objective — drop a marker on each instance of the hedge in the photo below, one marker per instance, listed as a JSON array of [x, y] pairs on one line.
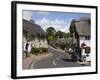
[[38, 50]]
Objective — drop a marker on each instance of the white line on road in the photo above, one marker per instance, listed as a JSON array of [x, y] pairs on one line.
[[54, 61]]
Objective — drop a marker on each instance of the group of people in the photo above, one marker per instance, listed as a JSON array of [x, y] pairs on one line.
[[75, 53]]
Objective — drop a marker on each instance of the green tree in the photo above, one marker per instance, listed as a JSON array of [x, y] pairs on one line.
[[50, 31], [51, 34], [72, 28], [74, 34], [60, 34], [66, 35], [51, 38]]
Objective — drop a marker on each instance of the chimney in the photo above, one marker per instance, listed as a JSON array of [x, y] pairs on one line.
[[31, 20]]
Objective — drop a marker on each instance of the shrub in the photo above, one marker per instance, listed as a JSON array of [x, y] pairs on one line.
[[44, 49], [34, 51], [38, 50], [62, 46]]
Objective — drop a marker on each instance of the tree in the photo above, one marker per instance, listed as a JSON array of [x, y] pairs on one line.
[[51, 34], [51, 37], [66, 35], [74, 33], [50, 31], [60, 34], [72, 27]]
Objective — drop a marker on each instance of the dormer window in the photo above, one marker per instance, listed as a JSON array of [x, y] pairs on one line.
[[87, 37]]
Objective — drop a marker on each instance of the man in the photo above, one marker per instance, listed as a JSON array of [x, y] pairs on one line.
[[74, 56], [70, 50], [26, 48]]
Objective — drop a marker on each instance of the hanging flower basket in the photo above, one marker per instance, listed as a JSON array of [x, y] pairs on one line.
[[83, 45]]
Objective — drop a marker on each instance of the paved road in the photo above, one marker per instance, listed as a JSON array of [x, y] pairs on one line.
[[59, 59]]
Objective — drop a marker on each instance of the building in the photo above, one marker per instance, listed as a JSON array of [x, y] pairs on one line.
[[83, 35], [34, 35]]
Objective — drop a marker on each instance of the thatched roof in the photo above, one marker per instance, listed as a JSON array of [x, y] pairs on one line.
[[83, 26], [32, 29]]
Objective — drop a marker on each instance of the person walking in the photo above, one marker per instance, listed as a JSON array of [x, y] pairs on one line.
[[26, 49]]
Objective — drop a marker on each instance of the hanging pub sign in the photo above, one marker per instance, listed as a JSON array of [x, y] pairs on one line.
[[87, 50]]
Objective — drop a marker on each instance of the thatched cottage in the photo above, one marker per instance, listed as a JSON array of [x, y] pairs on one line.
[[34, 35], [83, 34]]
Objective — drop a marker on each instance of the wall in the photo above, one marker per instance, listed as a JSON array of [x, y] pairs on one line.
[[5, 40]]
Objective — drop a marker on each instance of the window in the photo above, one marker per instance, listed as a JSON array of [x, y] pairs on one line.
[[87, 37]]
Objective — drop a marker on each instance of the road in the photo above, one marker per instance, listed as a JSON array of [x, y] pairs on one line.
[[59, 59]]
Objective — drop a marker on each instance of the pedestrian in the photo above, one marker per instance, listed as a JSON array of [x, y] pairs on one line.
[[70, 51], [66, 50], [26, 48], [74, 56]]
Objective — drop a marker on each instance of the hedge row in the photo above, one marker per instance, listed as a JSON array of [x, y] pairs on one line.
[[38, 50]]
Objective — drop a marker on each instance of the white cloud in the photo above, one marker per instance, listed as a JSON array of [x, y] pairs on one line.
[[27, 15], [44, 23], [57, 24], [43, 12]]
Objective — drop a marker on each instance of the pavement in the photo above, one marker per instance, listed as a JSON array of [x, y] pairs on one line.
[[27, 62]]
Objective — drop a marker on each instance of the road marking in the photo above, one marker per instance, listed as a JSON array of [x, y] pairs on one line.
[[54, 61], [32, 65]]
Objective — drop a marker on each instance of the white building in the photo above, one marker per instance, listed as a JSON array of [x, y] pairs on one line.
[[83, 35], [34, 35]]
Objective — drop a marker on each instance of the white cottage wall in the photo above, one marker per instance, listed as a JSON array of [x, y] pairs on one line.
[[24, 43], [88, 43], [36, 43], [45, 43]]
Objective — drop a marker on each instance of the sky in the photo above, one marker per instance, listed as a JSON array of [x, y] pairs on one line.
[[59, 20]]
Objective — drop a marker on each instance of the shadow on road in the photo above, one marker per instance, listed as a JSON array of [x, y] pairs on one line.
[[67, 60]]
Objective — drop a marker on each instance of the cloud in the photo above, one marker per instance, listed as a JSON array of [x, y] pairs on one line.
[[44, 23], [43, 12], [56, 23], [27, 15]]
